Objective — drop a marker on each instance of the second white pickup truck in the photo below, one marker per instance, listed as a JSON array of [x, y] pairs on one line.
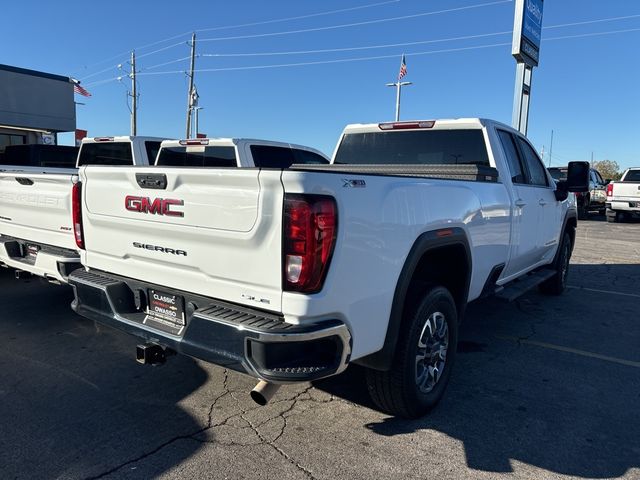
[[623, 196], [290, 274], [36, 203]]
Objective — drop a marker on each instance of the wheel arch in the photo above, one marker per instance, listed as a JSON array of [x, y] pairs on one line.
[[447, 247]]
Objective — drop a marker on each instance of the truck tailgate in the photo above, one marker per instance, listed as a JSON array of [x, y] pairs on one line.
[[626, 191], [213, 232], [37, 207]]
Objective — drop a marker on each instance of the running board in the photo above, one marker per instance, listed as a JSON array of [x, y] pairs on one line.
[[517, 288]]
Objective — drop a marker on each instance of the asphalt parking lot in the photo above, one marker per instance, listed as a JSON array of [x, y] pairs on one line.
[[546, 387]]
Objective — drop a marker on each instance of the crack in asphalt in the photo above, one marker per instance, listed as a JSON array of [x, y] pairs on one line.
[[293, 402]]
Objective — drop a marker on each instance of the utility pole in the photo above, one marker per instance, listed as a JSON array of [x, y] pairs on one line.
[[134, 96], [551, 148], [190, 92], [542, 154]]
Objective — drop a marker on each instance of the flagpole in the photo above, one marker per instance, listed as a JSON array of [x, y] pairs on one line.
[[399, 84], [398, 90]]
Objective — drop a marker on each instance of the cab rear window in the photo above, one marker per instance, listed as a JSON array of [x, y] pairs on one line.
[[107, 153], [415, 147], [197, 156], [632, 176]]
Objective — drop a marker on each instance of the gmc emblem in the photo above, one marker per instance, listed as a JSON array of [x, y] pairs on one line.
[[157, 206]]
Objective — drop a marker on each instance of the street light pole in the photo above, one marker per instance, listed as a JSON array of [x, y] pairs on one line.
[[398, 86]]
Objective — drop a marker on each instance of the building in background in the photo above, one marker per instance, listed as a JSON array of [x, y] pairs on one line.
[[34, 106]]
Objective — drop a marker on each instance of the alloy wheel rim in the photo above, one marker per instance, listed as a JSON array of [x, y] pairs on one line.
[[431, 357]]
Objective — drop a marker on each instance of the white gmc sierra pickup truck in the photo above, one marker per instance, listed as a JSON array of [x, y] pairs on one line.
[[290, 274], [36, 232], [623, 196]]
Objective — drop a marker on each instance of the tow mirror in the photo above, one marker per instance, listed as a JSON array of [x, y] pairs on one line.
[[578, 177]]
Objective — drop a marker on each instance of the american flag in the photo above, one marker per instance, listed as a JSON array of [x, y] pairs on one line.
[[80, 90], [403, 69]]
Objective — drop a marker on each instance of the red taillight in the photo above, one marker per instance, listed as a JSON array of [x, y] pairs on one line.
[[610, 190], [76, 213], [310, 223]]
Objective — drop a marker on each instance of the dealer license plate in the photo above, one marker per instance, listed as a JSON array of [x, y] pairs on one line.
[[166, 307]]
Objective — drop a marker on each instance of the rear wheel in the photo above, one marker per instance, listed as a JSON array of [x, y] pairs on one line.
[[557, 284], [614, 216], [583, 211], [423, 359]]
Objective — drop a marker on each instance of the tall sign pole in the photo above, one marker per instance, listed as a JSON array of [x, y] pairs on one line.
[[134, 96], [190, 92], [527, 32]]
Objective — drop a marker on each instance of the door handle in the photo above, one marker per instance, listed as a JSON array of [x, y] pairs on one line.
[[520, 203], [542, 202]]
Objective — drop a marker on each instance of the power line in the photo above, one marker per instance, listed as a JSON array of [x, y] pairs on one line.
[[377, 57], [329, 27], [371, 47], [300, 17], [226, 27], [357, 24], [350, 49], [182, 59], [589, 22], [404, 44]]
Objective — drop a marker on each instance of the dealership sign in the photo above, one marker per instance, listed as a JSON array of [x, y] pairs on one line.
[[527, 31]]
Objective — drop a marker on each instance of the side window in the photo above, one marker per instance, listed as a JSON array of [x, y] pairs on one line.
[[599, 179], [152, 151], [307, 157], [537, 172], [267, 156], [512, 156]]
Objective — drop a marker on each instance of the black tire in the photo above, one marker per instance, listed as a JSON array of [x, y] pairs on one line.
[[583, 212], [557, 284], [613, 216], [397, 391]]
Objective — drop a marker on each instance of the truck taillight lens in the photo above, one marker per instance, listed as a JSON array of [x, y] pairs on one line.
[[610, 190], [76, 209], [310, 224]]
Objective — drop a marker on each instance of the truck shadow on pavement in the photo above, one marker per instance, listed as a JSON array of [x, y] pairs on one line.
[[73, 402], [550, 382]]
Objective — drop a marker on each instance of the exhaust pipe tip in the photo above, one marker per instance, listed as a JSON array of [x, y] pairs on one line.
[[263, 392]]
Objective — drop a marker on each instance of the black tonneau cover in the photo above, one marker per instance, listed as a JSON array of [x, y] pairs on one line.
[[474, 173]]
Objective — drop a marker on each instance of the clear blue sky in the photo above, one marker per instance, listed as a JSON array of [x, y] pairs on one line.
[[585, 88]]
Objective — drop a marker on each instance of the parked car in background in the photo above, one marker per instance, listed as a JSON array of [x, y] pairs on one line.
[[623, 196], [37, 194], [594, 199], [289, 273]]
